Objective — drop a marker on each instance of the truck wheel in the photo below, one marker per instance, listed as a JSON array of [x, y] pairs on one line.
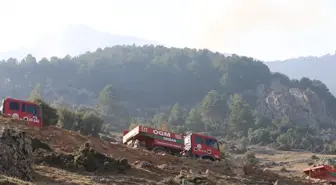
[[208, 158], [159, 150]]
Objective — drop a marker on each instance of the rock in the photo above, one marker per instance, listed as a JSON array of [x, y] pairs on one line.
[[279, 182], [266, 170], [301, 106], [15, 154], [248, 169], [163, 166], [86, 159], [143, 164], [310, 163], [38, 144], [283, 169], [93, 160], [195, 179], [168, 181]]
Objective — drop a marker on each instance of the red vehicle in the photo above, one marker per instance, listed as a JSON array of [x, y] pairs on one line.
[[325, 172], [23, 110], [190, 145]]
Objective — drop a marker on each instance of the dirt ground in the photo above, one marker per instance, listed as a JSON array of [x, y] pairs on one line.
[[149, 168], [293, 161]]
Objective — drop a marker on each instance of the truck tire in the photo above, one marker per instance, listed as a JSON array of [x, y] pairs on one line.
[[160, 150], [208, 158]]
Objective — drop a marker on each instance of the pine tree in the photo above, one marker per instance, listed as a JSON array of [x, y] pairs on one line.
[[240, 118], [35, 94]]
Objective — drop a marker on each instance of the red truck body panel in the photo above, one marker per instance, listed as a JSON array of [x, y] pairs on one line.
[[23, 110], [322, 172], [159, 142], [154, 137]]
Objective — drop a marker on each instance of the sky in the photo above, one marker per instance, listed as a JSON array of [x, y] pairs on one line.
[[263, 29]]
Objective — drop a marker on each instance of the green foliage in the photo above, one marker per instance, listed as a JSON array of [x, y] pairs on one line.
[[36, 93], [90, 124], [176, 116], [159, 118], [49, 114], [112, 111], [107, 100], [250, 158], [213, 107], [240, 117], [194, 121], [242, 73], [68, 119]]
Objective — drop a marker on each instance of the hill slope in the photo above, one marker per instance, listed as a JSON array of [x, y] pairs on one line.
[[155, 169]]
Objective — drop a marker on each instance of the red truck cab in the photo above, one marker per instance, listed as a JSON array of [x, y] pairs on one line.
[[23, 110], [201, 146]]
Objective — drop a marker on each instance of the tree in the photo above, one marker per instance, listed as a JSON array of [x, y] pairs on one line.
[[36, 93], [107, 100], [90, 124], [68, 119], [133, 124], [164, 127], [110, 108], [194, 121], [240, 117], [176, 116], [213, 107], [158, 119], [49, 114]]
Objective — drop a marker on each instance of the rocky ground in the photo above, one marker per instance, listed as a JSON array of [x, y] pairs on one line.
[[63, 157]]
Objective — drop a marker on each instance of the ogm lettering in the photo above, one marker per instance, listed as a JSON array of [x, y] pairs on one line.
[[161, 133]]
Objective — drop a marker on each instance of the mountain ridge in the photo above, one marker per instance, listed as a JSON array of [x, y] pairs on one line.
[[73, 40], [319, 68]]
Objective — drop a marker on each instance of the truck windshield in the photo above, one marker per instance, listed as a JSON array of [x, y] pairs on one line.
[[212, 143]]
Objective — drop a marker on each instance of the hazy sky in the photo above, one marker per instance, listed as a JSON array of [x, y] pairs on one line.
[[265, 29]]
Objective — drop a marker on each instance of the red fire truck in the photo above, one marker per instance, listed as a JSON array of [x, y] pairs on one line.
[[23, 110], [190, 144]]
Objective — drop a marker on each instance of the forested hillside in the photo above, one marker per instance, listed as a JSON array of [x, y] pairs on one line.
[[232, 97]]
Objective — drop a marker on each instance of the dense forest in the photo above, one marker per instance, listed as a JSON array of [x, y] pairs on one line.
[[117, 87]]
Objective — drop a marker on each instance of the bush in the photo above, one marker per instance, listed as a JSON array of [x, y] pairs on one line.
[[250, 158], [49, 114]]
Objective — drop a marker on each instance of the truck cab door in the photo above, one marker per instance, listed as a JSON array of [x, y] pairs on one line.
[[198, 145]]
